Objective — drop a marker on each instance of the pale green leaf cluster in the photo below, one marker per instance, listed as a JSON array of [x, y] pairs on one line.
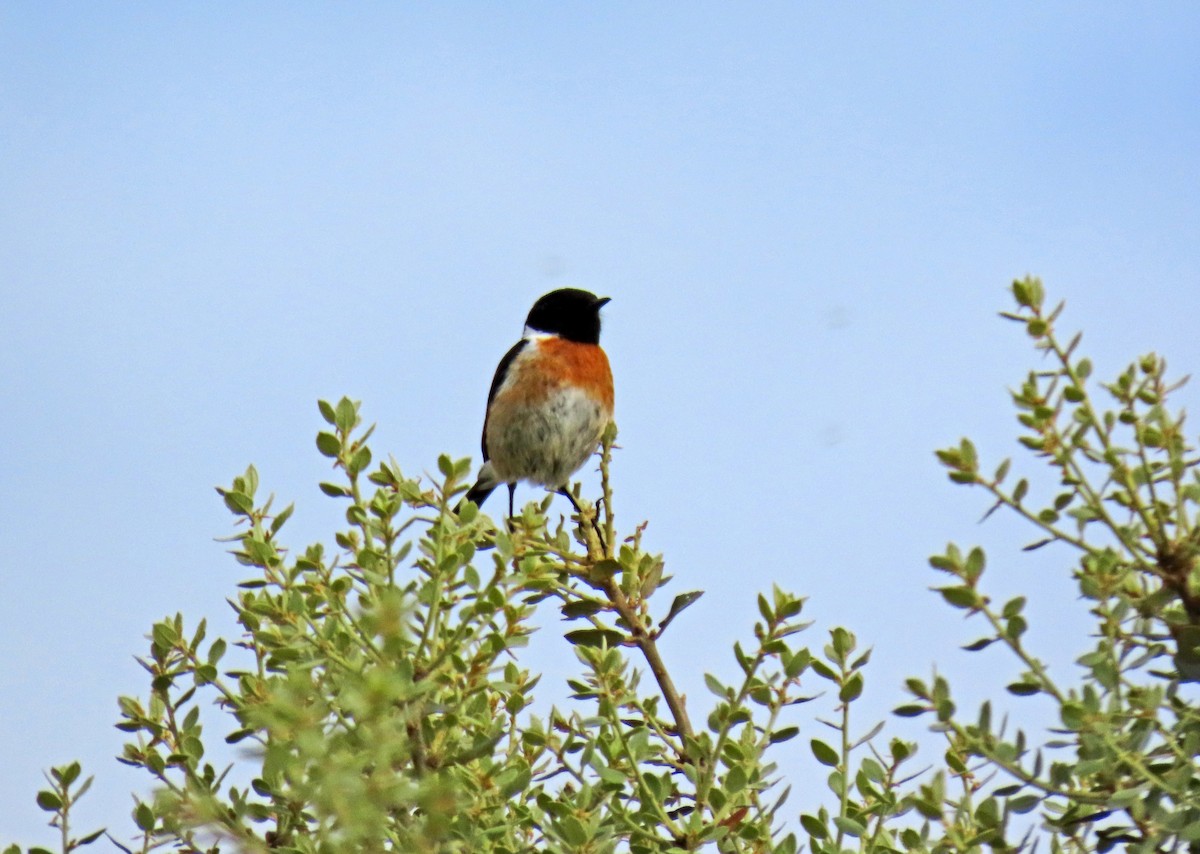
[[378, 691]]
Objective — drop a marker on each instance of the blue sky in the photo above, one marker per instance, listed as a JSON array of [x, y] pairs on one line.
[[806, 216]]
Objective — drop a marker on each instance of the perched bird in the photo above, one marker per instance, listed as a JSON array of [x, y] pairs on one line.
[[550, 401]]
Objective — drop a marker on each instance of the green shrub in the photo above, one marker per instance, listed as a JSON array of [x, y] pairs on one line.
[[379, 692]]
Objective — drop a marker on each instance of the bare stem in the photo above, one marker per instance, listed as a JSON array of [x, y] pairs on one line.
[[644, 640], [641, 636]]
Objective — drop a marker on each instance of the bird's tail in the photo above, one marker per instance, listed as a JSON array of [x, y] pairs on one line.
[[483, 487], [479, 492]]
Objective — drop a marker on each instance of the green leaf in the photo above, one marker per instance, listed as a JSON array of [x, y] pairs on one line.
[[328, 444], [326, 411], [143, 816], [573, 831], [982, 643], [346, 415], [1023, 689], [611, 776], [1021, 293], [852, 689], [90, 838], [360, 460], [966, 450], [716, 687], [784, 734], [1015, 627], [734, 781], [249, 481], [606, 568], [764, 608], [1036, 293], [49, 801], [164, 634], [863, 739], [849, 826], [334, 490], [216, 651], [973, 568], [678, 605], [825, 754], [796, 664], [595, 637], [238, 503], [83, 787], [843, 642], [281, 517], [815, 827], [787, 605], [581, 608], [1023, 804], [959, 596], [824, 670], [945, 563], [910, 710]]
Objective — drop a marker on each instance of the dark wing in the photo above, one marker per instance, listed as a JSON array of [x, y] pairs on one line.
[[497, 381]]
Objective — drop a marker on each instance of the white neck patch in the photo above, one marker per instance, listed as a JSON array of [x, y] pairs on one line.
[[531, 334]]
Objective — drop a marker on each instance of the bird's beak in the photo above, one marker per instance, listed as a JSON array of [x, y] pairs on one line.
[[603, 301]]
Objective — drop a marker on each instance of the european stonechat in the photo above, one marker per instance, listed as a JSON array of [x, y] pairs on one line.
[[550, 400]]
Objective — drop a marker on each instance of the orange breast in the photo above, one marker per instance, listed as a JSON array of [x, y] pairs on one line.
[[583, 365], [548, 364]]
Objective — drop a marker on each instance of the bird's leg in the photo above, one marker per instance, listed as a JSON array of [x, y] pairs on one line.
[[512, 490], [579, 510], [567, 494]]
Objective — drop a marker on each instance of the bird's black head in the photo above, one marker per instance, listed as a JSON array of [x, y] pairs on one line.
[[569, 313]]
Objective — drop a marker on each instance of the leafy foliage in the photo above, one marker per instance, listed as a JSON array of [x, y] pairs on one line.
[[1126, 503], [378, 694]]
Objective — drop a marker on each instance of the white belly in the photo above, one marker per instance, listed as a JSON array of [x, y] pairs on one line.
[[546, 443]]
